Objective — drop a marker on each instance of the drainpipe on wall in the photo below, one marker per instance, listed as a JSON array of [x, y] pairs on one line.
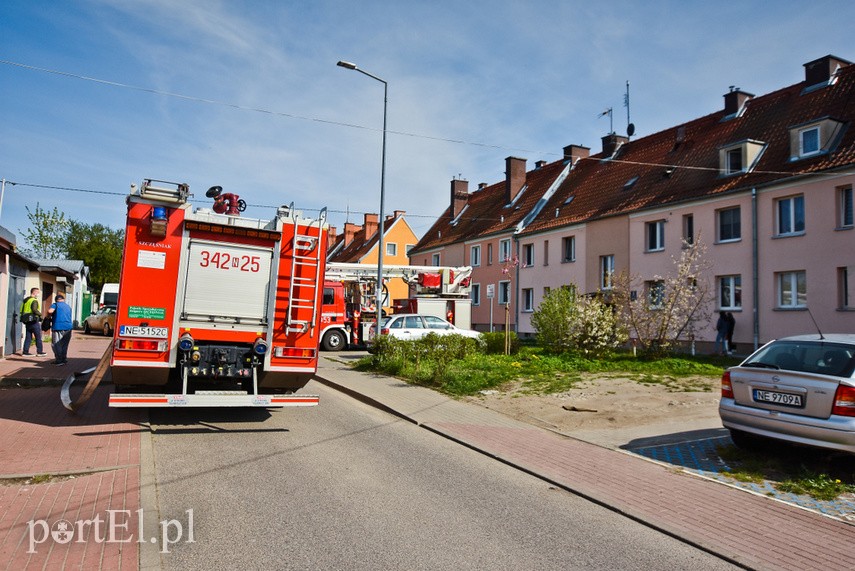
[[755, 269]]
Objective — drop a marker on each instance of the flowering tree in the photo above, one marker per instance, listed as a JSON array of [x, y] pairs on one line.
[[585, 324], [668, 308]]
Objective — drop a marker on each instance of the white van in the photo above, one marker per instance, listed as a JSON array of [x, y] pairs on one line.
[[109, 295]]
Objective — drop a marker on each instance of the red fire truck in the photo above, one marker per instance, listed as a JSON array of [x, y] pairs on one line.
[[350, 292], [216, 309]]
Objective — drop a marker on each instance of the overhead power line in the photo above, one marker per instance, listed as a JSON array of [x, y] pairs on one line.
[[262, 110]]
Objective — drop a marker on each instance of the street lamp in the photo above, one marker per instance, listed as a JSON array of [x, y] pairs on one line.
[[381, 249]]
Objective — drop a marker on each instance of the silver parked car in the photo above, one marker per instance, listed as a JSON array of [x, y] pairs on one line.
[[796, 389], [415, 326]]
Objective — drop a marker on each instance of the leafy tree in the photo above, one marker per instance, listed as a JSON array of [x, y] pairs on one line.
[[567, 322], [45, 237], [100, 247], [553, 320], [669, 307]]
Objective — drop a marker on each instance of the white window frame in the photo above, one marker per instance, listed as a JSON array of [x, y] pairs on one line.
[[655, 293], [504, 292], [409, 247], [689, 229], [788, 283], [504, 250], [607, 271], [475, 256], [475, 294], [391, 249], [788, 227], [803, 152], [528, 300], [730, 287], [528, 255], [718, 224], [654, 236], [844, 286], [435, 259], [572, 254], [845, 207], [729, 163]]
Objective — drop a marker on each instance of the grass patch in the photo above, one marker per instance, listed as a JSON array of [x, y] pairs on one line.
[[802, 471], [458, 367]]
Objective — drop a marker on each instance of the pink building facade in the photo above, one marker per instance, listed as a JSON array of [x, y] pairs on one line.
[[765, 183]]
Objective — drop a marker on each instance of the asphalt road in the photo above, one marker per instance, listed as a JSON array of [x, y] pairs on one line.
[[345, 486]]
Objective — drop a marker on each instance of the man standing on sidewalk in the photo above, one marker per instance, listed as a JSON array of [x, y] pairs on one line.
[[62, 325], [31, 317]]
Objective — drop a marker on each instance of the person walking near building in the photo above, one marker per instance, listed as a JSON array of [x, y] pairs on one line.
[[62, 325], [31, 317], [731, 325], [721, 334]]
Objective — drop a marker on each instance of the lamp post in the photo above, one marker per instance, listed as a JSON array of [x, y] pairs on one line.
[[381, 249]]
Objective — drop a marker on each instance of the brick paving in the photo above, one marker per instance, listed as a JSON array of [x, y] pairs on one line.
[[91, 461], [97, 455], [750, 530]]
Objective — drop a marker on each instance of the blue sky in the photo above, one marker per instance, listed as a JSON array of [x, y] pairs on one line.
[[470, 83]]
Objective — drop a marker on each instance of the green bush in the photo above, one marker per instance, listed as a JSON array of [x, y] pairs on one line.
[[495, 342], [426, 361], [567, 322], [553, 320]]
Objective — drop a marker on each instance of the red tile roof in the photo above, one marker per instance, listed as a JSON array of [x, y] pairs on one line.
[[487, 213], [361, 244], [675, 165]]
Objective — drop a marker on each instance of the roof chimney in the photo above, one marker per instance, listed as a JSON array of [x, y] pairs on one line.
[[612, 142], [822, 69], [514, 178], [482, 185], [576, 152], [459, 195], [350, 230], [331, 236], [371, 223], [734, 100]]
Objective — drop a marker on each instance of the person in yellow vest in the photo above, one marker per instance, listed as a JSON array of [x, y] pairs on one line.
[[31, 317]]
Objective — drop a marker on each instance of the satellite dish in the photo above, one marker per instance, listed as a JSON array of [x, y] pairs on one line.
[[214, 191], [630, 129]]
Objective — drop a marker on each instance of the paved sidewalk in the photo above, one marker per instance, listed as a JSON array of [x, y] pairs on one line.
[[86, 464], [750, 530]]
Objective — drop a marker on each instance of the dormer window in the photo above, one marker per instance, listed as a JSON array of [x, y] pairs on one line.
[[809, 141], [814, 138], [740, 157], [734, 161]]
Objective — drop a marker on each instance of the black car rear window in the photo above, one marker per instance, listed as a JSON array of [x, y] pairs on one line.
[[806, 356]]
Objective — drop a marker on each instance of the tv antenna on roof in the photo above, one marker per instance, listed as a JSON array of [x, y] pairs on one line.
[[630, 128], [611, 122]]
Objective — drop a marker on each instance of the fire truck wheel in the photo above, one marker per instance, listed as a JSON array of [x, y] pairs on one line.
[[334, 341]]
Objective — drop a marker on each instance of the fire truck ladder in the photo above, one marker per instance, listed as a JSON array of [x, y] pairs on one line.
[[306, 253]]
